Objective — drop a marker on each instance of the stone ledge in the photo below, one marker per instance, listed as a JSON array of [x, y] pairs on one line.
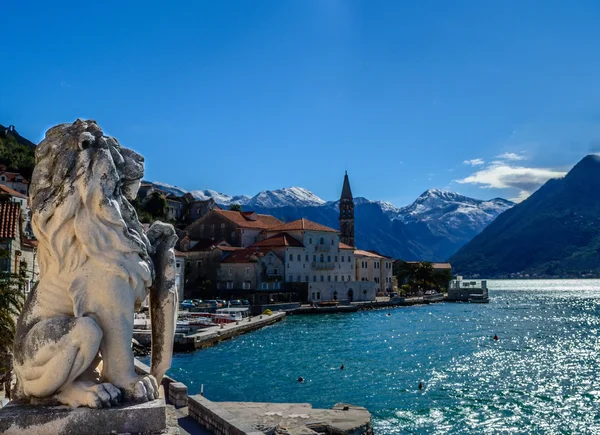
[[144, 418]]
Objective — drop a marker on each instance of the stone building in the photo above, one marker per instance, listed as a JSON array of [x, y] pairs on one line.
[[372, 266], [196, 208], [347, 214], [313, 253], [237, 228], [14, 180]]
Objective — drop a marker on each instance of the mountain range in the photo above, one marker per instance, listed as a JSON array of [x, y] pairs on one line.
[[432, 228], [553, 233]]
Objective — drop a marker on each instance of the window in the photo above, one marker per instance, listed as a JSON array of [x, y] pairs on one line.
[[229, 285], [335, 296], [335, 278], [291, 257], [188, 265], [318, 295], [322, 278], [331, 242], [275, 271], [247, 271], [230, 271], [178, 265], [310, 241], [246, 285], [199, 264], [264, 286], [329, 258], [314, 278], [277, 285], [335, 258], [306, 278], [322, 240], [322, 258], [348, 258], [329, 278], [342, 258], [343, 277], [314, 258], [223, 226], [306, 257], [349, 278], [299, 278], [299, 257], [314, 295]]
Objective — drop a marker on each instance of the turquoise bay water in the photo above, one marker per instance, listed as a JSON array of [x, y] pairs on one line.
[[543, 375]]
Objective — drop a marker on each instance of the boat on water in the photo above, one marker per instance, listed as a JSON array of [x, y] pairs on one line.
[[432, 296], [474, 291]]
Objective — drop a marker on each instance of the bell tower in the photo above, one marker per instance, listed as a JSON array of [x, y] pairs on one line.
[[347, 214]]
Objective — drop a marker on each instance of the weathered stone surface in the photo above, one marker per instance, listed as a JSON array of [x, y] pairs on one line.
[[144, 418], [96, 268], [178, 394]]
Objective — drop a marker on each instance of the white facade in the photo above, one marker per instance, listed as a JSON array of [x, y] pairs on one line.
[[354, 291], [319, 260], [375, 268], [180, 274]]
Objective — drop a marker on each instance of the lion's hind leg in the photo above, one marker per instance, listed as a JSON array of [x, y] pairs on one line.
[[55, 353]]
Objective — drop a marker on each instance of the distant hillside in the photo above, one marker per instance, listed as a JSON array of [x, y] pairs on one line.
[[16, 152], [555, 232], [433, 228]]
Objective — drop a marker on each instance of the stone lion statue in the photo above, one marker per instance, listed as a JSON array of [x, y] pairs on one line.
[[73, 339]]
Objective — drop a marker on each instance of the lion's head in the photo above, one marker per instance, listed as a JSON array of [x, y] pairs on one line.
[[79, 200]]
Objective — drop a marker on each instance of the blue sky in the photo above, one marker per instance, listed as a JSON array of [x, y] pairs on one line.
[[244, 96]]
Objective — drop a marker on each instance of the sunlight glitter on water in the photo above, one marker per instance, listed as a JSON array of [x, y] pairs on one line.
[[541, 376]]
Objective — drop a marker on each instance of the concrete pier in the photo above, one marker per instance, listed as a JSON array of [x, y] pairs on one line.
[[209, 336]]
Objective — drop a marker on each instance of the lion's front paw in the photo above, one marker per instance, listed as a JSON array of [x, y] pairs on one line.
[[143, 389], [90, 394]]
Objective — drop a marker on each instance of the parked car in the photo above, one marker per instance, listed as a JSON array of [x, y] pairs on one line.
[[187, 305], [245, 302], [197, 302], [235, 303], [212, 303]]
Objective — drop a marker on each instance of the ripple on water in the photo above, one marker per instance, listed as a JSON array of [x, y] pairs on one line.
[[541, 376]]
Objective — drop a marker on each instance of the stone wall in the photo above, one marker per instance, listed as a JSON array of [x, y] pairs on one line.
[[217, 420]]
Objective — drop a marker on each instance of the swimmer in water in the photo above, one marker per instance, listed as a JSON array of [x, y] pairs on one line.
[[300, 379], [342, 367], [420, 385], [496, 338]]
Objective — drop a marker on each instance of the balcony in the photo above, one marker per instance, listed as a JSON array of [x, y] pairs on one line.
[[322, 248], [327, 265]]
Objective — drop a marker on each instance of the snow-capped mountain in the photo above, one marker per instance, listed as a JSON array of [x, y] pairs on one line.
[[220, 198], [452, 210], [432, 228], [289, 196]]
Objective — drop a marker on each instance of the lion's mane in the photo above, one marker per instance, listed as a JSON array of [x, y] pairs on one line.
[[79, 212]]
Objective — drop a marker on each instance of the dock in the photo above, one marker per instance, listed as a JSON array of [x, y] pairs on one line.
[[214, 334]]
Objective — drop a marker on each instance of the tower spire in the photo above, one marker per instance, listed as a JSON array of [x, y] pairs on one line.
[[347, 213]]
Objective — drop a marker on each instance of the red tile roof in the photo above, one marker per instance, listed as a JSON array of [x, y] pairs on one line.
[[10, 212], [11, 192], [279, 240], [361, 253], [344, 246], [249, 219], [302, 225], [247, 255], [10, 176]]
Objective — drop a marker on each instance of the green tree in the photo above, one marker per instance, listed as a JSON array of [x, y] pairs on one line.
[[12, 298], [235, 207], [156, 206]]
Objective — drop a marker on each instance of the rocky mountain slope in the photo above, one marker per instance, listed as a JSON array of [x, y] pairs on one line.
[[555, 232], [433, 228]]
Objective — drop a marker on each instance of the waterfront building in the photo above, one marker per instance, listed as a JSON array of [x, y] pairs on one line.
[[238, 228], [347, 214], [14, 180], [316, 255], [372, 266]]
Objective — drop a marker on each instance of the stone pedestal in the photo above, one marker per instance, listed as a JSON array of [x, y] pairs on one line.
[[145, 418]]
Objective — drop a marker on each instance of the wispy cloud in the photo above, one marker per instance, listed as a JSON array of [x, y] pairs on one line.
[[506, 176], [511, 156], [474, 162]]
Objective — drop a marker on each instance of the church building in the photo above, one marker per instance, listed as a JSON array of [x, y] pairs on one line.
[[347, 214]]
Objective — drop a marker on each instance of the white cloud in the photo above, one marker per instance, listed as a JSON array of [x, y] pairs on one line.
[[511, 156], [504, 176], [474, 162]]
